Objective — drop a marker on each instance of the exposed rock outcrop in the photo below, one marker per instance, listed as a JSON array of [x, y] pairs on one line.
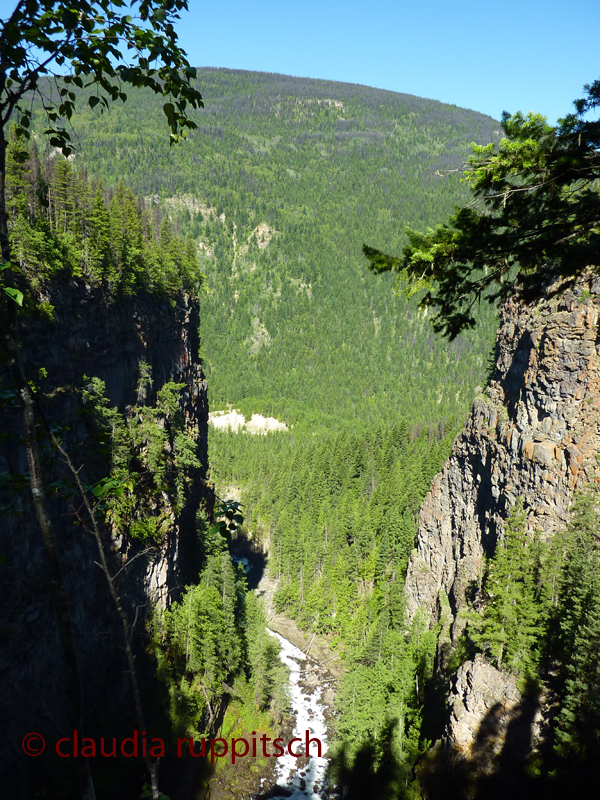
[[488, 701], [92, 335], [534, 433], [492, 728]]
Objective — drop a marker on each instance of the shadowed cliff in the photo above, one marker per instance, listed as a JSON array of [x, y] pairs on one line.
[[95, 335]]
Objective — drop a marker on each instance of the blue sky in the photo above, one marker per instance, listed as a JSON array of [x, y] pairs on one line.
[[527, 55]]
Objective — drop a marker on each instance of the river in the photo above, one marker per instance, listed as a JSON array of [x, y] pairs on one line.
[[312, 685], [307, 678]]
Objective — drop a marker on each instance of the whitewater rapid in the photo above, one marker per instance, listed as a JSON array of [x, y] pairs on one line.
[[306, 688], [308, 782]]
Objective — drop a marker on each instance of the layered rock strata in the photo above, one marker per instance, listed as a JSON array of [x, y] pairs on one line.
[[533, 433]]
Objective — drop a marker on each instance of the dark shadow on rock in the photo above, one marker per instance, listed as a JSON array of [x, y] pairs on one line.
[[186, 778], [485, 504], [447, 773], [435, 705], [241, 547], [519, 732], [514, 381], [486, 773]]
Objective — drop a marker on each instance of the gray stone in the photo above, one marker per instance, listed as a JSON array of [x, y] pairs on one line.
[[546, 404]]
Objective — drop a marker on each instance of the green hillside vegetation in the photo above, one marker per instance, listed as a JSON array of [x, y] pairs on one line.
[[538, 617], [62, 225], [279, 187], [341, 514], [217, 635], [275, 194], [66, 227], [533, 214]]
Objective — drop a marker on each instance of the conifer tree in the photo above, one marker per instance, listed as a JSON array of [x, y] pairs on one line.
[[99, 236], [507, 630], [383, 555], [579, 619], [61, 196]]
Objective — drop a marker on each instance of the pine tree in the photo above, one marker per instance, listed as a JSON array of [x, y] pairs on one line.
[[61, 196], [579, 619], [99, 236], [535, 211], [17, 178], [383, 556], [507, 630]]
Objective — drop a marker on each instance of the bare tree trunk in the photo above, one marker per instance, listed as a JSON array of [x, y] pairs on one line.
[[151, 765]]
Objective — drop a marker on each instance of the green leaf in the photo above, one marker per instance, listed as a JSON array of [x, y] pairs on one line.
[[15, 294]]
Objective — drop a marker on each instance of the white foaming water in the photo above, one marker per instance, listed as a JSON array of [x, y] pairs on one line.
[[310, 717]]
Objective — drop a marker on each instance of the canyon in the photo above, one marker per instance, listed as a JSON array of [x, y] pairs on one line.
[[92, 334]]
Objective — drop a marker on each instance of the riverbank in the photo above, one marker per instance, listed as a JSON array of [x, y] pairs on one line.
[[313, 646], [316, 673]]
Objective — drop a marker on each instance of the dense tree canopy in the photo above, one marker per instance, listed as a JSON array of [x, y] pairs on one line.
[[535, 212], [340, 512], [107, 237], [278, 188], [101, 44]]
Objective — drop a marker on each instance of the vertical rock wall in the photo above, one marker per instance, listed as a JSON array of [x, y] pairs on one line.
[[92, 335], [534, 433]]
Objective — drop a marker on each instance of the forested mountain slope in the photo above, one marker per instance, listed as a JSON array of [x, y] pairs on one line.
[[279, 187], [109, 342], [277, 191]]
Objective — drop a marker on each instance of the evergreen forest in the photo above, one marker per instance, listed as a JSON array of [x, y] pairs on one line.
[[262, 213], [278, 188]]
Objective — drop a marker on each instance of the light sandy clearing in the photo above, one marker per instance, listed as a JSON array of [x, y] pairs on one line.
[[236, 421]]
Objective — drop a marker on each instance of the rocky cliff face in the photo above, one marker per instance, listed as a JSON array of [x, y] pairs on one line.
[[534, 433], [95, 336], [491, 730]]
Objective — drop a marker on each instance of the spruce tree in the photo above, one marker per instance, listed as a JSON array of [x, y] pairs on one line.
[[578, 724], [507, 631], [99, 236]]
